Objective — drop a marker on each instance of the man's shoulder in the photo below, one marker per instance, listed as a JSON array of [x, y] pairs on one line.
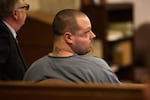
[[2, 25], [4, 30], [40, 61], [95, 58]]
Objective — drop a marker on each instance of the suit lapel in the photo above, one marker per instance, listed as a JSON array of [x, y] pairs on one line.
[[20, 53]]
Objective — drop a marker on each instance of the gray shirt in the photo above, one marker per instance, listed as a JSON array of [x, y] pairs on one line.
[[74, 68]]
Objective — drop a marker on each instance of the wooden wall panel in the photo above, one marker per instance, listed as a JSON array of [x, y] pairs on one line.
[[35, 39]]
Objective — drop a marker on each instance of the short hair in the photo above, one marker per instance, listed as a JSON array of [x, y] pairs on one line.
[[65, 20], [6, 8]]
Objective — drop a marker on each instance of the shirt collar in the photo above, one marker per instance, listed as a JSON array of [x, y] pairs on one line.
[[11, 29]]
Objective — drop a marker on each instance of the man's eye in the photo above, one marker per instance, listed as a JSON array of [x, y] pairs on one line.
[[87, 32]]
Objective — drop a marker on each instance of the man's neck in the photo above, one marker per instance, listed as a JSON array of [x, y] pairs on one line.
[[11, 29], [61, 49], [12, 24], [61, 52]]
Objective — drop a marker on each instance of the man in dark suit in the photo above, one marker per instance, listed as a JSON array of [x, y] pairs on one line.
[[12, 17]]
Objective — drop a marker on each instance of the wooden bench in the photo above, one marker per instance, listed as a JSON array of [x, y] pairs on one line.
[[69, 91]]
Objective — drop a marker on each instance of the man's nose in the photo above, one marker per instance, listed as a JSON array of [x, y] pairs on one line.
[[92, 35]]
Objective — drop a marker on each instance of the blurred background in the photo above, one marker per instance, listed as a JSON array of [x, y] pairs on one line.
[[122, 28]]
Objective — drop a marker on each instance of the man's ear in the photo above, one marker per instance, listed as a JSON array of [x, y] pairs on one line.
[[15, 14], [68, 37]]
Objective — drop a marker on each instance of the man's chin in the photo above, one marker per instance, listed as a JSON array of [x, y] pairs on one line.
[[83, 53]]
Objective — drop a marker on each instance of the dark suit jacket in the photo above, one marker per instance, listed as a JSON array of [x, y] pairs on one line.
[[12, 65]]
